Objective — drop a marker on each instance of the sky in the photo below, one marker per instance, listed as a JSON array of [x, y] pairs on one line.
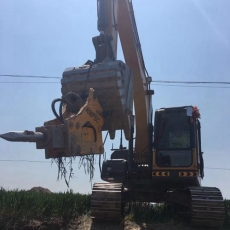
[[181, 41]]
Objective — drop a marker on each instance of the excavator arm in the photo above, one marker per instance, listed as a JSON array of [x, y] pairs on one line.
[[103, 90], [133, 57], [117, 17]]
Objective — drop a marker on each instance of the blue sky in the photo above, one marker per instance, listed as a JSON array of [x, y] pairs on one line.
[[181, 41]]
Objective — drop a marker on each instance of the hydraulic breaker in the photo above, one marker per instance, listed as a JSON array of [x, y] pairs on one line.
[[80, 134]]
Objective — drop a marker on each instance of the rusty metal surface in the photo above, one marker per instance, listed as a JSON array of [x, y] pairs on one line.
[[113, 85], [207, 207], [106, 201], [81, 133], [54, 142]]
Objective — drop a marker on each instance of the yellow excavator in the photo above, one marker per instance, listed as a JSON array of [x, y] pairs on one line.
[[163, 162]]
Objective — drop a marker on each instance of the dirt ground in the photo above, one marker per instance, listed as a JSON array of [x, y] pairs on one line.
[[86, 223]]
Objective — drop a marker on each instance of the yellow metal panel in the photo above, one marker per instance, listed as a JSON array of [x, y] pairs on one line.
[[88, 134], [85, 128], [133, 58]]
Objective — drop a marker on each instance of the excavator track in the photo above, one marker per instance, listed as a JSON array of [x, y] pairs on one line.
[[207, 207], [106, 201]]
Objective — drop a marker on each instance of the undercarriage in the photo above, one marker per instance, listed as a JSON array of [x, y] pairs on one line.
[[204, 206]]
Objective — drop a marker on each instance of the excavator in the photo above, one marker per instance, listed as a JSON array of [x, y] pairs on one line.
[[163, 161]]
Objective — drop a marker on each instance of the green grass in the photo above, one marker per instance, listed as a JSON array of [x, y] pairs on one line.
[[160, 213], [152, 213], [26, 204], [147, 212]]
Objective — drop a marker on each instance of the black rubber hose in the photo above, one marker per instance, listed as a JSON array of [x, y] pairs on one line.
[[60, 110], [75, 94], [63, 100], [54, 110]]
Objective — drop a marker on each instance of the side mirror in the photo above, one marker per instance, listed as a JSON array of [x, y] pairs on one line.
[[189, 111]]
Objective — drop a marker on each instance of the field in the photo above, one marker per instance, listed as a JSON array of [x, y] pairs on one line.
[[41, 209]]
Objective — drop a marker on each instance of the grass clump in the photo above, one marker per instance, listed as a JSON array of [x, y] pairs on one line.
[[30, 204], [161, 213], [149, 212]]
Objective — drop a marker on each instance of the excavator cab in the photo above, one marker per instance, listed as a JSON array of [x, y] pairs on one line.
[[177, 152]]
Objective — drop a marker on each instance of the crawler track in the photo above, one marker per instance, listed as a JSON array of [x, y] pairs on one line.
[[106, 201], [207, 207]]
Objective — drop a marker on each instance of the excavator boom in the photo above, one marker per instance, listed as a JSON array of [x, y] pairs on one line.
[[117, 17]]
